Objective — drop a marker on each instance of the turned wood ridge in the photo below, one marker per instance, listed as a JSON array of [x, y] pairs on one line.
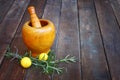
[[35, 22]]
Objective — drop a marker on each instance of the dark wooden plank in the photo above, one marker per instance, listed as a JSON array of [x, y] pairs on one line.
[[10, 24], [116, 8], [32, 71], [54, 2], [68, 40], [111, 38], [94, 65], [119, 1], [52, 13], [8, 69], [12, 70], [4, 7], [24, 74]]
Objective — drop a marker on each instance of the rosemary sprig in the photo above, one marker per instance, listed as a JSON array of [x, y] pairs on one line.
[[48, 67]]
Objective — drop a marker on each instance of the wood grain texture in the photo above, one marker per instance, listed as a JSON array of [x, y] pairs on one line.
[[116, 8], [52, 13], [68, 40], [11, 70], [94, 65], [31, 74], [4, 8], [18, 71], [87, 29], [110, 32], [10, 24]]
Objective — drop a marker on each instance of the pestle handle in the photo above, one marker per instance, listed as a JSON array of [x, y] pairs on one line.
[[33, 17]]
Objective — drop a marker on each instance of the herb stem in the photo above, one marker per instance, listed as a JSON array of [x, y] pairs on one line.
[[49, 66]]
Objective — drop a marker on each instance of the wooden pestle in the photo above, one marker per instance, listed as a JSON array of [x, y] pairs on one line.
[[33, 17]]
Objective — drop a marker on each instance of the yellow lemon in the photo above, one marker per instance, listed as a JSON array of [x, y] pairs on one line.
[[43, 56], [26, 62]]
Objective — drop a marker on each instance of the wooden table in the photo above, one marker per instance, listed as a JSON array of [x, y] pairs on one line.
[[87, 29]]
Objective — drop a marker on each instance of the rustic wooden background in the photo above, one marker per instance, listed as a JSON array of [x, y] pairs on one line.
[[87, 29]]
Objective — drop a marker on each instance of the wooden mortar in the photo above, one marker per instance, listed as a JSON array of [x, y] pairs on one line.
[[38, 34]]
